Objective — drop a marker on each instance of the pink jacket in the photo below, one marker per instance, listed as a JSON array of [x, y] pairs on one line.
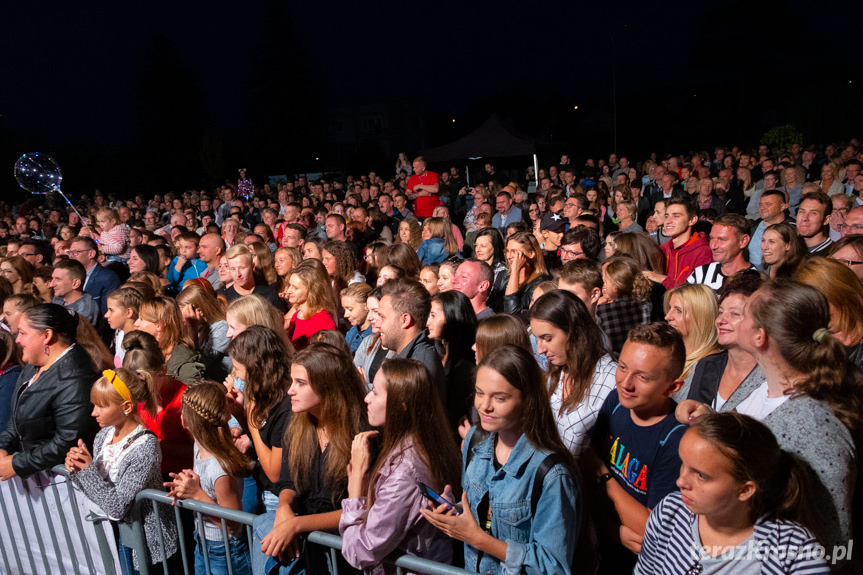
[[394, 522]]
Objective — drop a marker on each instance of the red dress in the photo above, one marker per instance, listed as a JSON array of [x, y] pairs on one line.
[[302, 330]]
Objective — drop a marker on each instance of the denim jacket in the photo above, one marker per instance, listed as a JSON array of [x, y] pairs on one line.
[[431, 251], [542, 547]]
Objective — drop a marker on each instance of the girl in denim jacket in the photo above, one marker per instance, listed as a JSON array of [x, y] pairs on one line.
[[382, 511], [516, 436]]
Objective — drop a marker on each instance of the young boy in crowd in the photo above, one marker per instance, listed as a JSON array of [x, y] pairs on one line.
[[186, 265], [633, 462], [123, 304]]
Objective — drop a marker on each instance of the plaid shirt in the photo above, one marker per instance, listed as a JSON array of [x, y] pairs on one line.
[[618, 317]]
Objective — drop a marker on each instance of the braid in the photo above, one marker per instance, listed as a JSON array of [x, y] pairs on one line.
[[198, 404], [206, 414]]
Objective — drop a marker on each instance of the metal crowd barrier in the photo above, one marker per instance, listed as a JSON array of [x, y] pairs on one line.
[[81, 554]]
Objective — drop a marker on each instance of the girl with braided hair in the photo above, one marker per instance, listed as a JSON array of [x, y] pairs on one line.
[[216, 478], [126, 459]]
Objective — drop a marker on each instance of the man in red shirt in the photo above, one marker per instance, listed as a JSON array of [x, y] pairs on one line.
[[687, 249], [423, 187]]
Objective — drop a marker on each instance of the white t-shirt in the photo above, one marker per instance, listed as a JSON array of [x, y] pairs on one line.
[[209, 470], [758, 405]]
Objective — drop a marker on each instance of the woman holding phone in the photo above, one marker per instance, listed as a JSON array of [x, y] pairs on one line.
[[382, 511], [517, 441]]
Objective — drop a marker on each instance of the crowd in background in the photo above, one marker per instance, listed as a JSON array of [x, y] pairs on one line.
[[649, 365]]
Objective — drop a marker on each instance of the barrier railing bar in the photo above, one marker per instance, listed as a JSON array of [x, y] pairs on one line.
[[107, 558], [23, 531], [181, 535], [87, 552], [161, 539], [9, 531], [199, 521], [64, 527], [228, 557], [50, 518], [34, 522]]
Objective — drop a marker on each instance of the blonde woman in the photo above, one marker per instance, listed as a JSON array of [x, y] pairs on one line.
[[438, 242], [241, 265], [691, 309]]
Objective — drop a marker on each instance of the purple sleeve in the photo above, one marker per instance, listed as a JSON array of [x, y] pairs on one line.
[[368, 537]]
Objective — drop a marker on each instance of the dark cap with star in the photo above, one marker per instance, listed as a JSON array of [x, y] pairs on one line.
[[552, 223]]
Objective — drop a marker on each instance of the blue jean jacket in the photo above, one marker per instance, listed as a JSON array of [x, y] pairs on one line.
[[543, 544]]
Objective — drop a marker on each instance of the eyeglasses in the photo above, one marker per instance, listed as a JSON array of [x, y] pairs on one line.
[[848, 263], [572, 253], [853, 228], [23, 255], [75, 253]]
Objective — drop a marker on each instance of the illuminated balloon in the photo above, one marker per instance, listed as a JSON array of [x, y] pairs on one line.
[[38, 173]]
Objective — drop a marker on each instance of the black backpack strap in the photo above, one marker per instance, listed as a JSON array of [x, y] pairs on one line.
[[539, 477], [474, 441]]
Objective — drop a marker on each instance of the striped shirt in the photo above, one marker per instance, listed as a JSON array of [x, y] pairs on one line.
[[710, 275], [669, 548]]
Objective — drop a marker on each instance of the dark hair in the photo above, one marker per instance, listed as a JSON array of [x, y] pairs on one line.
[[459, 331], [744, 283], [796, 253], [405, 257], [268, 369], [346, 261], [150, 256], [587, 238], [791, 312], [75, 269], [519, 368], [414, 413], [665, 337], [687, 202], [499, 330], [584, 348], [410, 297], [755, 455], [496, 242], [55, 317]]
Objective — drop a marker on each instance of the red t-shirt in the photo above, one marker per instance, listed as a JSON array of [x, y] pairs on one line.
[[424, 206], [302, 330], [177, 444]]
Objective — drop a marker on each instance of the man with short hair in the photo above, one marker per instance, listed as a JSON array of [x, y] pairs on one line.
[[633, 460], [793, 187], [294, 236], [573, 207], [729, 238], [400, 203], [474, 279], [506, 211], [853, 223], [67, 281], [812, 222], [582, 278], [335, 227], [687, 248], [580, 242], [423, 187], [768, 181], [34, 251], [211, 248], [100, 281], [403, 311], [772, 211]]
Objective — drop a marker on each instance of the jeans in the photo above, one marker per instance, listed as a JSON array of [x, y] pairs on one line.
[[240, 560], [271, 501]]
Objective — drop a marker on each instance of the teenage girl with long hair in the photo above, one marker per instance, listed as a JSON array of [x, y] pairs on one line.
[[328, 411], [263, 362], [737, 487], [216, 478], [501, 529], [581, 371], [126, 459], [312, 301], [204, 317], [161, 318], [382, 511]]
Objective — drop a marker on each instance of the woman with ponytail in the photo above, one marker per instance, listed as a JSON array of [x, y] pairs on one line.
[[739, 492], [805, 390]]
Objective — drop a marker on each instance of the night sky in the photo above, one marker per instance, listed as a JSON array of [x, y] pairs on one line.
[[134, 96]]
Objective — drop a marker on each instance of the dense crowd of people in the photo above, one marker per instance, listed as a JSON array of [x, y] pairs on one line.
[[649, 367]]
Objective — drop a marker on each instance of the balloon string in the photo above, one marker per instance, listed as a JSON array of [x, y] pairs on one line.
[[80, 217]]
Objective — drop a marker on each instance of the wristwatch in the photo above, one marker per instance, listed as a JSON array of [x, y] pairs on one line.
[[604, 478]]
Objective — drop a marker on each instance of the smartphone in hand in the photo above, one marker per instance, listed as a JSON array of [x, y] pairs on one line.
[[437, 499]]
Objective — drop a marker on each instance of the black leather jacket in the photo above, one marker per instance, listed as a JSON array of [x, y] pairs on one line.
[[49, 416]]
